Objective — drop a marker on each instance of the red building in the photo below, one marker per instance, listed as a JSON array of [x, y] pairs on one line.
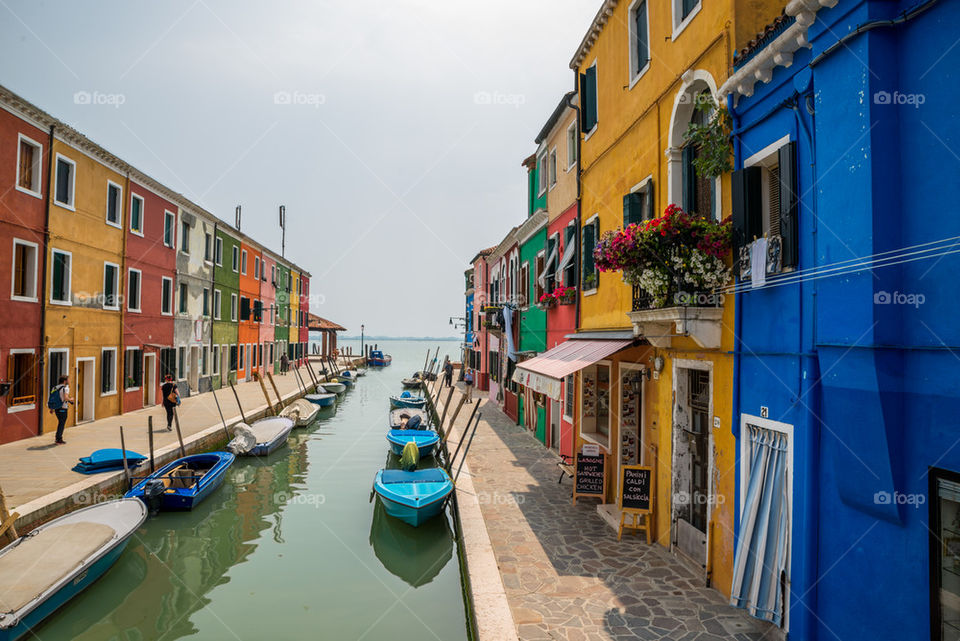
[[251, 312], [24, 157], [148, 333]]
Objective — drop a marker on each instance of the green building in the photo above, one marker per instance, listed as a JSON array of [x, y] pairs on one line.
[[226, 307], [281, 333]]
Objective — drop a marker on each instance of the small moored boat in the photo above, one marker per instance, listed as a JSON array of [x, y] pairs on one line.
[[361, 371], [182, 484], [410, 383], [408, 418], [107, 460], [425, 440], [333, 387], [406, 399], [378, 359], [43, 570], [302, 412], [261, 438], [414, 497], [321, 400], [347, 380]]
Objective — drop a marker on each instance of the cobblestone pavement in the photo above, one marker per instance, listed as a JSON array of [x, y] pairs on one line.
[[565, 574]]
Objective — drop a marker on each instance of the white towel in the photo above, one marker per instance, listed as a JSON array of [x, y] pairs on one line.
[[758, 263]]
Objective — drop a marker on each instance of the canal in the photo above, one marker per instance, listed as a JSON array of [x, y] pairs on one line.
[[290, 547]]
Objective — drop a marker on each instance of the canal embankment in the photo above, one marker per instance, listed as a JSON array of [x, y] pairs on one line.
[[36, 476]]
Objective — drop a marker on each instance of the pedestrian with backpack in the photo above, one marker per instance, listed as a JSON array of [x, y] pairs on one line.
[[57, 403], [171, 398]]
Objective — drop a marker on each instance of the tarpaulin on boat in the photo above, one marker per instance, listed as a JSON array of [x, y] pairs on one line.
[[544, 373]]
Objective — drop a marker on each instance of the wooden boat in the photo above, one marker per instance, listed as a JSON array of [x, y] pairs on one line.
[[261, 438], [378, 359], [410, 383], [321, 400], [333, 387], [406, 399], [426, 441], [302, 412], [107, 460], [413, 497], [40, 572], [185, 482], [400, 417]]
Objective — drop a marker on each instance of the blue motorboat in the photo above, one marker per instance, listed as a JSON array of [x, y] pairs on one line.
[[182, 484], [406, 399], [425, 440], [108, 460], [378, 359], [323, 400], [413, 497], [42, 571]]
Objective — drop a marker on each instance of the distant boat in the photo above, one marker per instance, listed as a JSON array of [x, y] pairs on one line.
[[183, 483], [426, 441], [333, 387], [400, 417], [406, 399], [261, 438], [43, 570], [413, 497], [302, 412], [321, 400], [378, 359]]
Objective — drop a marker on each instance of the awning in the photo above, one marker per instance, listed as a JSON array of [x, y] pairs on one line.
[[568, 252], [546, 268], [544, 373]]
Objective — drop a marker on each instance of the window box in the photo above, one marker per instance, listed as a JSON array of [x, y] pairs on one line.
[[660, 325]]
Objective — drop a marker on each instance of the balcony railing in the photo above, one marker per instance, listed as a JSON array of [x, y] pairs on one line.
[[643, 300], [696, 315]]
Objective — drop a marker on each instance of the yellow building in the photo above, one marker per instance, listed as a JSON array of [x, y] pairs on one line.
[[84, 288], [665, 401]]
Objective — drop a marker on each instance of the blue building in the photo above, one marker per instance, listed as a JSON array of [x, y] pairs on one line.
[[847, 390]]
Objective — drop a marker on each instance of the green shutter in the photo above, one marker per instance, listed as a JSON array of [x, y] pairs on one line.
[[59, 274], [689, 179], [632, 208], [789, 205], [588, 90]]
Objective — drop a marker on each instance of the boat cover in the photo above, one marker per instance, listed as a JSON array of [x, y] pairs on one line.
[[432, 475]]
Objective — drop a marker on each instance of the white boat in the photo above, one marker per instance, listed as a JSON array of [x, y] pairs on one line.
[[333, 387], [261, 438], [301, 411]]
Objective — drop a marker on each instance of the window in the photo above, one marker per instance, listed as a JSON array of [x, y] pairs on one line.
[[243, 262], [207, 247], [183, 298], [206, 301], [181, 363], [683, 12], [944, 516], [108, 371], [553, 256], [133, 368], [168, 362], [233, 358], [184, 237], [568, 397], [568, 265], [256, 267], [765, 204], [216, 360], [273, 275], [571, 145], [253, 356], [65, 182], [236, 258], [588, 99], [243, 353], [639, 40], [29, 164], [537, 273], [204, 360], [218, 251], [553, 167], [169, 221], [114, 203], [59, 359], [24, 270], [111, 286], [166, 295], [216, 304], [22, 376], [233, 307], [133, 290], [258, 311], [136, 214], [60, 275], [595, 403], [638, 204], [698, 191], [590, 274], [542, 173], [244, 308]]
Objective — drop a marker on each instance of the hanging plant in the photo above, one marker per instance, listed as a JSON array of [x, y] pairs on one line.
[[714, 152]]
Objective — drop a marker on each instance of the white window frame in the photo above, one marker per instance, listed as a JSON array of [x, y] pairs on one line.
[[596, 437], [241, 357], [208, 248], [130, 272], [204, 360], [37, 167], [218, 251], [679, 25], [73, 182], [235, 258], [69, 277], [66, 362], [113, 381], [571, 136], [143, 210], [167, 214], [126, 359], [30, 406], [570, 380], [233, 308], [106, 214], [172, 295], [183, 363], [183, 301], [206, 296], [116, 286], [553, 168], [13, 270], [243, 262], [635, 73], [541, 173], [217, 299], [256, 267], [216, 360], [184, 236]]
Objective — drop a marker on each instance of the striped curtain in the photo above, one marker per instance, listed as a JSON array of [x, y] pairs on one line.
[[759, 566]]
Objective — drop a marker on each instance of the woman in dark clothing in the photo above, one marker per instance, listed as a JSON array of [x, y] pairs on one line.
[[171, 396]]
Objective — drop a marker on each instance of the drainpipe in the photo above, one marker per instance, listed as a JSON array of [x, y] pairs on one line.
[[45, 289], [213, 283], [577, 232]]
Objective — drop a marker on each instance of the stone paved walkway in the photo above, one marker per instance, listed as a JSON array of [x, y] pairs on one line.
[[565, 574]]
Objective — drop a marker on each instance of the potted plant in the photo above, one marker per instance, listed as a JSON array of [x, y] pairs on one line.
[[546, 301], [590, 281], [565, 295]]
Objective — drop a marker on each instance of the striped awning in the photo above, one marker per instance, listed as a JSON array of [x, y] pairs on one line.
[[544, 373]]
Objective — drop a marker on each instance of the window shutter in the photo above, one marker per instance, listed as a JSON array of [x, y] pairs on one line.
[[689, 179], [632, 208], [588, 90], [789, 205], [746, 194], [648, 201]]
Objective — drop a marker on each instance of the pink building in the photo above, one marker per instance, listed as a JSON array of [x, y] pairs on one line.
[[477, 358], [268, 298]]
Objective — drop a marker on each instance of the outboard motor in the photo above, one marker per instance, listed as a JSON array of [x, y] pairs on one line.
[[153, 495], [413, 423]]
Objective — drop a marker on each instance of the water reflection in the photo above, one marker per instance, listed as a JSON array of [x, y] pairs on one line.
[[415, 554]]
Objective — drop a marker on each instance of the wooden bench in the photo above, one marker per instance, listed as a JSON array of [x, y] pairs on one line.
[[565, 464]]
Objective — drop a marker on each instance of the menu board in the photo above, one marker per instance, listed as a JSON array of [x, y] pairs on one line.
[[636, 488], [589, 476]]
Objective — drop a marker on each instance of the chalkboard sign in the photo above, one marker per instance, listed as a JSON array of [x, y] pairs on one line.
[[636, 488], [590, 476]]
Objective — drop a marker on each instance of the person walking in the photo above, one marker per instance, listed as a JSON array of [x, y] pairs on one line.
[[58, 401], [171, 398], [284, 364], [448, 373], [468, 385]]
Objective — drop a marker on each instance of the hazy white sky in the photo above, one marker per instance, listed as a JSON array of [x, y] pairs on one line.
[[392, 131]]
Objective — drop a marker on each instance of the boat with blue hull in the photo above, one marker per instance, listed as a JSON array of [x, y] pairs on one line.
[[425, 440], [64, 557], [323, 400], [378, 359], [108, 460], [413, 497], [406, 399], [185, 482]]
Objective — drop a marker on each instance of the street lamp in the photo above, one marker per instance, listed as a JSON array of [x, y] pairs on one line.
[[362, 351]]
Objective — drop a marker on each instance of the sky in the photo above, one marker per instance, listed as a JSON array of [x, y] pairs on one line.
[[393, 132]]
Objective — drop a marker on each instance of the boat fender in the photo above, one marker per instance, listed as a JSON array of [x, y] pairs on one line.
[[410, 457]]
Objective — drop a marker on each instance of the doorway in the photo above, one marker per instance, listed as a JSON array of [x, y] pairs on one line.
[[631, 445], [692, 462], [224, 364], [86, 389], [194, 368], [149, 379], [555, 425]]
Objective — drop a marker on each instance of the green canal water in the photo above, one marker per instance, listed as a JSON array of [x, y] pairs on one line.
[[290, 547]]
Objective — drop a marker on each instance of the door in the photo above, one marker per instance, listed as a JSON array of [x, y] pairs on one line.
[[194, 368], [691, 462], [86, 389], [149, 379], [249, 363], [554, 425], [224, 364]]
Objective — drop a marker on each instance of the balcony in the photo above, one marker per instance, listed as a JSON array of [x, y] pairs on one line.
[[697, 315]]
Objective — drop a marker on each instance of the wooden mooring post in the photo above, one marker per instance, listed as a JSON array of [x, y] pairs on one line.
[[263, 388], [237, 397], [7, 520], [273, 384]]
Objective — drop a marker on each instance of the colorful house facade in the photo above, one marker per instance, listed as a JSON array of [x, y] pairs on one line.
[[226, 306], [248, 331], [196, 239]]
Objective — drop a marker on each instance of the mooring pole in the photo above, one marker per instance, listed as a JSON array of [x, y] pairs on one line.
[[466, 428], [7, 520], [469, 442], [237, 397], [123, 450], [263, 388], [153, 466], [220, 412], [273, 384], [176, 420]]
